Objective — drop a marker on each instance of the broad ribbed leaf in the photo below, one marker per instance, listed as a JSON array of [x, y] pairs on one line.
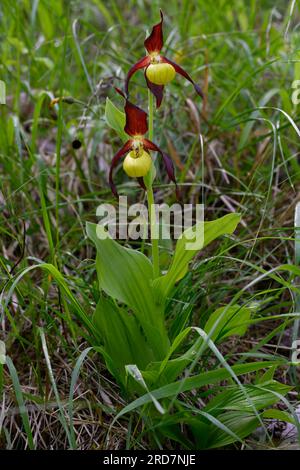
[[230, 421], [242, 424], [227, 321], [233, 410], [126, 275], [274, 413], [121, 336], [189, 244], [233, 398]]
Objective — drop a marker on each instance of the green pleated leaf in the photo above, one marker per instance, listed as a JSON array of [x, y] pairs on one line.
[[261, 396], [240, 425], [189, 244], [234, 410], [274, 413], [227, 321], [126, 275], [122, 337]]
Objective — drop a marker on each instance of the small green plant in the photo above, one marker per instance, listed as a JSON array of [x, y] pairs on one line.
[[137, 341]]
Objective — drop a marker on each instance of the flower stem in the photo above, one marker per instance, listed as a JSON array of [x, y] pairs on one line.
[[154, 233], [150, 109]]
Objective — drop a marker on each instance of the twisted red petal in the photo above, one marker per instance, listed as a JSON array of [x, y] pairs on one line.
[[155, 42], [139, 65], [166, 159], [126, 147], [121, 92], [136, 118], [157, 90], [182, 72]]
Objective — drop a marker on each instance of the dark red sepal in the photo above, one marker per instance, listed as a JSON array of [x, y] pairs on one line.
[[155, 42], [156, 90], [182, 72], [136, 118], [121, 92], [166, 159], [126, 148], [139, 65]]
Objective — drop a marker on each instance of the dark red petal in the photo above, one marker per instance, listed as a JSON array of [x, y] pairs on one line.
[[141, 183], [184, 74], [166, 158], [157, 90], [155, 42], [126, 147], [139, 65]]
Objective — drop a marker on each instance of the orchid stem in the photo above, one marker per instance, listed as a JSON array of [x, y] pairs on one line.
[[151, 114], [150, 196]]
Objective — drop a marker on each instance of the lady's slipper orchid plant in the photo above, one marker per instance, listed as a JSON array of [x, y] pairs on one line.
[[130, 324], [138, 161], [158, 69]]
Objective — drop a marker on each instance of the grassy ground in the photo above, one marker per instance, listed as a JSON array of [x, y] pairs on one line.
[[245, 56]]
